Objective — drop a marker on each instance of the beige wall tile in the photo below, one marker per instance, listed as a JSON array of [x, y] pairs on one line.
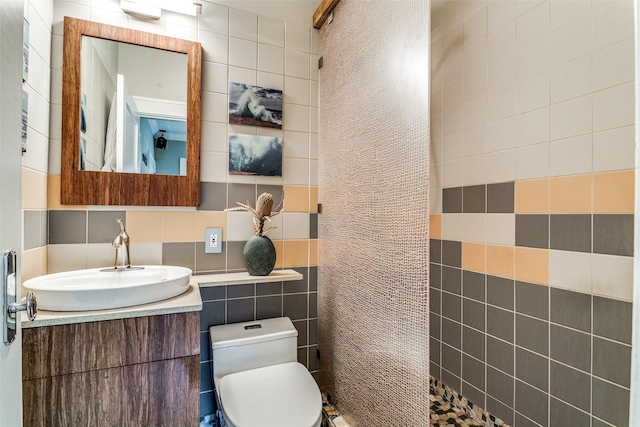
[[532, 196], [614, 192], [144, 226], [279, 253], [500, 261], [34, 189], [178, 226], [571, 194], [532, 265], [296, 198], [313, 252], [435, 226], [207, 219], [296, 253], [313, 199], [473, 256]]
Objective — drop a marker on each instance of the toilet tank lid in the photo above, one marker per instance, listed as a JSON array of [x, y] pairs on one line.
[[251, 332]]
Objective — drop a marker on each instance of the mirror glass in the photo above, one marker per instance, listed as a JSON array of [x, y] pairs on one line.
[[131, 117], [133, 108]]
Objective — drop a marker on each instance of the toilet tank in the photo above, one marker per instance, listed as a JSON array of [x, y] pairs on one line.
[[250, 345]]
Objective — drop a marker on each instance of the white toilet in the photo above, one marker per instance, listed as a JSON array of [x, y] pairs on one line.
[[258, 381]]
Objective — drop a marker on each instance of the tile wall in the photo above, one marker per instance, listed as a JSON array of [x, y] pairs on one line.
[[237, 46], [532, 203]]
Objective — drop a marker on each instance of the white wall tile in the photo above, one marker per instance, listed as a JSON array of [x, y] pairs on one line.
[[66, 257], [437, 125], [474, 113], [572, 156], [533, 59], [499, 13], [270, 59], [181, 32], [295, 225], [313, 146], [571, 42], [213, 166], [54, 156], [613, 23], [296, 64], [571, 118], [501, 166], [214, 137], [313, 67], [502, 41], [613, 276], [564, 12], [502, 73], [451, 174], [145, 253], [613, 65], [452, 121], [313, 120], [475, 27], [215, 107], [215, 47], [474, 170], [452, 227], [613, 107], [101, 255], [435, 200], [474, 55], [295, 117], [565, 274], [532, 161], [243, 53], [532, 127], [295, 171], [452, 41], [37, 155], [501, 229], [270, 80], [296, 91], [296, 144], [297, 37], [452, 147], [214, 77], [523, 6], [215, 19], [501, 135], [614, 149], [63, 9], [474, 84], [270, 31], [243, 25], [56, 52], [313, 93], [532, 93], [239, 226], [436, 101], [474, 141], [473, 228], [533, 24], [452, 67], [452, 94], [571, 80], [501, 104], [435, 150]]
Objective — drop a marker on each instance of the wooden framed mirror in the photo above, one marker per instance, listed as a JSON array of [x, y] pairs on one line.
[[111, 172]]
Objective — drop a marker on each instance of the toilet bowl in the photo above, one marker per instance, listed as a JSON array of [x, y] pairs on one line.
[[258, 381]]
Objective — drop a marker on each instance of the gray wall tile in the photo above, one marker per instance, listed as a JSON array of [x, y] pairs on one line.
[[313, 358], [181, 254], [570, 385], [500, 410], [210, 262], [435, 371], [595, 422], [240, 291], [532, 231], [474, 285], [313, 332], [242, 193], [240, 310], [474, 395], [234, 255], [570, 347], [522, 421], [613, 234], [271, 288], [453, 381], [206, 404], [500, 386], [297, 286], [435, 275], [32, 230], [434, 325], [571, 233], [500, 197], [44, 228], [452, 280], [434, 351], [213, 196], [66, 226], [532, 334], [532, 403], [451, 333], [302, 356], [612, 319], [434, 301], [474, 199], [302, 327], [473, 314], [213, 314], [472, 371], [452, 200], [435, 250], [532, 300], [452, 306], [500, 355], [205, 352], [205, 376], [313, 278], [500, 292], [612, 361], [532, 369], [103, 227], [571, 309], [562, 414], [268, 307], [500, 323], [313, 225], [452, 361], [473, 343], [294, 306], [610, 403], [210, 293], [452, 253], [313, 304]]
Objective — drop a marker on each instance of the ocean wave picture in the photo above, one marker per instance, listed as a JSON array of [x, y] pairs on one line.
[[255, 155], [255, 106]]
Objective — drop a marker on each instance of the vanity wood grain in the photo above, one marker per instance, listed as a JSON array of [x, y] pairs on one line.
[[133, 371]]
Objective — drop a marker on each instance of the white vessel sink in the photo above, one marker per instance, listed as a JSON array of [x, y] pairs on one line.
[[99, 288]]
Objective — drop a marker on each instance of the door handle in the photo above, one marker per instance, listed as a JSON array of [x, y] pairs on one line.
[[9, 293]]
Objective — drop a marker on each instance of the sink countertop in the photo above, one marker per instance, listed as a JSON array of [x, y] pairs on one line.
[[188, 301]]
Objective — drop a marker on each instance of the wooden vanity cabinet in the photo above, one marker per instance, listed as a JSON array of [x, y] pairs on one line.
[[138, 371]]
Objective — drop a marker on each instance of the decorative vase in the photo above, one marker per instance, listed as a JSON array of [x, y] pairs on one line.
[[259, 256]]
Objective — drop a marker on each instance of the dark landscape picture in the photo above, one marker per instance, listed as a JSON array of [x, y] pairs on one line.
[[255, 106], [255, 155]]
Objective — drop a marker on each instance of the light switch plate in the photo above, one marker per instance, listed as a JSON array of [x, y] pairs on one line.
[[213, 241]]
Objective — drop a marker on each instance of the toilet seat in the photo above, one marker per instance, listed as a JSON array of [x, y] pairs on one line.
[[284, 395]]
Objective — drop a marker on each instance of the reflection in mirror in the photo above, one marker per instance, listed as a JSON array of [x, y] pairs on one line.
[[122, 85], [129, 95]]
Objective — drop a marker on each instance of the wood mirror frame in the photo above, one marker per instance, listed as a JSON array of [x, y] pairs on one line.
[[116, 188]]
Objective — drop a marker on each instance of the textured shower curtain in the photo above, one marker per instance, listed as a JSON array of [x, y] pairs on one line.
[[374, 226]]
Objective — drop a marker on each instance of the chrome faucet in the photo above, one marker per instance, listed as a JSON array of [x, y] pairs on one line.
[[121, 243]]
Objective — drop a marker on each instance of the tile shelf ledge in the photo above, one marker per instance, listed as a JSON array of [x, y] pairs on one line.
[[241, 278]]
